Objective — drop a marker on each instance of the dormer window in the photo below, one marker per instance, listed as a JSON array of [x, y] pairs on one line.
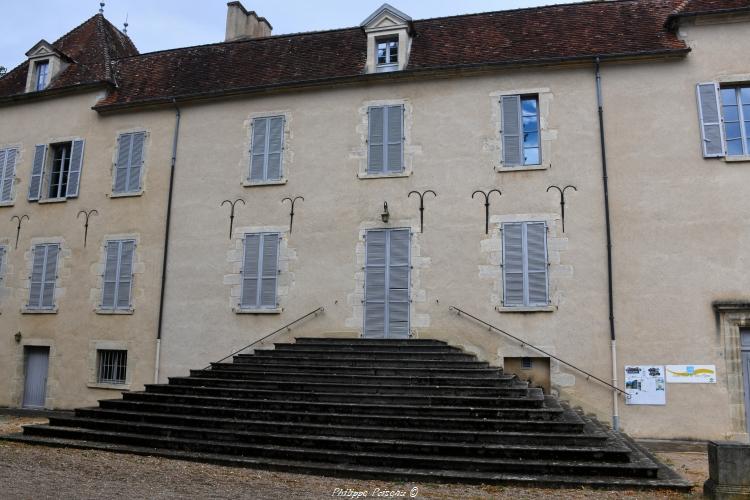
[[388, 40], [42, 71], [387, 54]]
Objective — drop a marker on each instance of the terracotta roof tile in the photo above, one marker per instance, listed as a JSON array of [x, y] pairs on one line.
[[695, 7]]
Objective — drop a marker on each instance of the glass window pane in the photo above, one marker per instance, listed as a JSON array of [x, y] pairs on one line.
[[728, 96], [394, 52], [731, 113], [745, 93], [530, 124], [746, 111], [381, 54], [734, 148], [530, 139], [531, 156], [528, 106], [732, 130]]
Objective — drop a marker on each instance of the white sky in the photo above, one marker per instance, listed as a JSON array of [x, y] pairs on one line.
[[165, 24]]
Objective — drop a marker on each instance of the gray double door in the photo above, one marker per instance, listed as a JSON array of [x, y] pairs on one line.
[[387, 276], [745, 356], [36, 361]]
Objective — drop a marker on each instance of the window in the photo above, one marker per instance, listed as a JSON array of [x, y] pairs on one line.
[[111, 366], [526, 363], [385, 139], [520, 130], [735, 108], [56, 170], [387, 54], [42, 70], [7, 173], [525, 264], [43, 276], [266, 150], [118, 275], [129, 163], [260, 271]]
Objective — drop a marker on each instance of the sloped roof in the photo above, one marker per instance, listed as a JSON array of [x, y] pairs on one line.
[[91, 48], [699, 7]]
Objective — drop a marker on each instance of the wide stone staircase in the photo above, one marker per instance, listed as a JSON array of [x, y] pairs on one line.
[[417, 410]]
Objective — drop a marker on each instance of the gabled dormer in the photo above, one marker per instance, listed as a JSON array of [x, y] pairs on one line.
[[388, 39], [45, 62]]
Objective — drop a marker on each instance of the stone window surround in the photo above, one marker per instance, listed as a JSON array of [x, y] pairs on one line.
[[557, 272], [417, 292], [363, 129], [287, 155], [732, 316], [19, 377], [97, 345], [97, 270], [19, 158], [144, 169], [63, 273], [547, 136], [285, 280], [43, 198]]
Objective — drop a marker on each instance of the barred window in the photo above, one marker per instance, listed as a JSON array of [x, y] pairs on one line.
[[111, 366]]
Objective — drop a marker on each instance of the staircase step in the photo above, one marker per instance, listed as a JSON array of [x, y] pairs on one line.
[[341, 362], [366, 347], [360, 355], [398, 370], [368, 342]]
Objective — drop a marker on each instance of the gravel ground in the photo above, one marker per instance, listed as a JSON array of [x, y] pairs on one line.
[[36, 472]]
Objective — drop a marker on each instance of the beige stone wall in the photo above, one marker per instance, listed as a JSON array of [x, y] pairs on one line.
[[75, 330]]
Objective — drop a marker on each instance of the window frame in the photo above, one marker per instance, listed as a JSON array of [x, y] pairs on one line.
[[744, 137], [257, 304], [3, 171], [527, 303], [65, 146], [103, 308], [118, 365], [45, 281], [538, 130], [390, 43], [130, 164], [41, 74], [384, 171], [266, 153]]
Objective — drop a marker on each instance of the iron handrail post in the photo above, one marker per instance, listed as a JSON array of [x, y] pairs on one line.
[[285, 327]]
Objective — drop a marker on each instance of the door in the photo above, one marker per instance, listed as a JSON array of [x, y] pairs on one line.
[[35, 382], [387, 279], [745, 354]]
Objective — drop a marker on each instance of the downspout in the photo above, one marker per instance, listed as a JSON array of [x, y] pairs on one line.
[[166, 241], [600, 106]]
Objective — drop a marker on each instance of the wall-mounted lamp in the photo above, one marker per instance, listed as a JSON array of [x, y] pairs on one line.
[[18, 337], [385, 215]]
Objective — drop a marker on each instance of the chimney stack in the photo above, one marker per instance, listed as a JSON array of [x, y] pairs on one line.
[[242, 24]]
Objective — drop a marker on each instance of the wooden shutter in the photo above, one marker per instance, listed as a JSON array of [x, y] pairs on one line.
[[109, 283], [394, 122], [250, 261], [129, 162], [76, 164], [275, 148], [513, 264], [43, 277], [125, 274], [512, 136], [258, 149], [136, 162], [709, 111], [536, 263], [7, 173], [269, 268], [50, 277], [2, 263], [37, 277], [398, 283], [260, 268], [375, 284], [37, 172], [376, 140]]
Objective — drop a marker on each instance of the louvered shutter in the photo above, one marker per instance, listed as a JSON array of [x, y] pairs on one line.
[[536, 263], [76, 164], [125, 274], [269, 270], [37, 277], [513, 265], [2, 263], [109, 285], [37, 172], [398, 283], [50, 277], [43, 277], [258, 150], [7, 173], [709, 110], [275, 148], [395, 137], [136, 162], [124, 147], [376, 140], [512, 136], [250, 278], [375, 284]]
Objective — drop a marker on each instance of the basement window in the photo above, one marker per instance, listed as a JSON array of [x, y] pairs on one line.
[[526, 363], [111, 366]]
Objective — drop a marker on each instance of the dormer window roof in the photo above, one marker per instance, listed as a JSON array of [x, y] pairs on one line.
[[388, 39], [45, 61]]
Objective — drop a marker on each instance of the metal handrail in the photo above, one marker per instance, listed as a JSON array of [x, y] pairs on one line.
[[524, 344], [285, 327]]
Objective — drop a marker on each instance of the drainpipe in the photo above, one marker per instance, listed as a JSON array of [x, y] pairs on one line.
[[166, 240], [600, 106]]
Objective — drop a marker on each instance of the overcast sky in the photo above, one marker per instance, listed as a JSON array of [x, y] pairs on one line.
[[165, 24]]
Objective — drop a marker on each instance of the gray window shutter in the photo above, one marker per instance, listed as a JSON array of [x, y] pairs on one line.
[[376, 140], [43, 277], [258, 149], [395, 134], [7, 173], [74, 174], [2, 263], [512, 136], [375, 282], [125, 274], [129, 162], [398, 284], [709, 111], [275, 148], [250, 281], [536, 264], [269, 269], [136, 162], [37, 172], [37, 277], [513, 264], [50, 277], [109, 285]]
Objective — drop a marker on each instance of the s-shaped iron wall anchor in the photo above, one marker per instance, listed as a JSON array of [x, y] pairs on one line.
[[291, 213], [231, 214], [486, 206], [88, 214], [18, 229], [421, 205], [562, 201]]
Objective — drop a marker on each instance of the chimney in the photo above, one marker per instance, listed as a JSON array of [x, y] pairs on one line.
[[242, 24]]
